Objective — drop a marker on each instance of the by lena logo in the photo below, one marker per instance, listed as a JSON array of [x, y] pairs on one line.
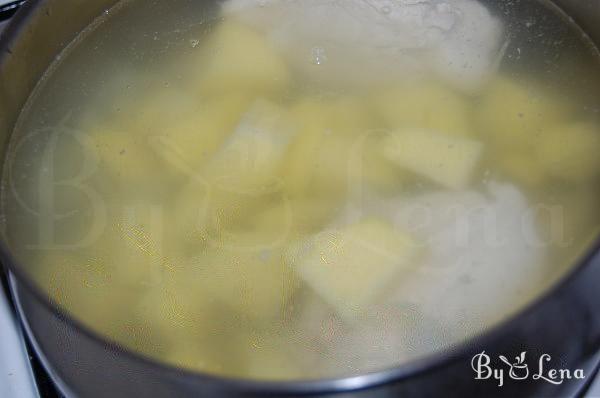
[[519, 369]]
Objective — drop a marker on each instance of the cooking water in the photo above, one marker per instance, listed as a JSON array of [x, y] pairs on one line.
[[296, 190]]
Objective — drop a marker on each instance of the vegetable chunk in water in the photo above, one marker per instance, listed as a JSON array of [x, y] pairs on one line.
[[243, 171], [425, 105], [449, 161], [256, 284], [228, 69], [352, 266], [188, 144]]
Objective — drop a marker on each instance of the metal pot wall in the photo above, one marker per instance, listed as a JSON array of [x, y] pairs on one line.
[[564, 323]]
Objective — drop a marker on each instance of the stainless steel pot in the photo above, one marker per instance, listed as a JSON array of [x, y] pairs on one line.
[[564, 323]]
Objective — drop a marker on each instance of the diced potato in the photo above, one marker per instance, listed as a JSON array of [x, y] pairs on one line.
[[372, 166], [449, 161], [244, 172], [353, 266], [426, 106], [186, 144], [175, 311], [524, 168], [277, 223], [139, 243], [182, 321], [239, 59], [204, 213], [291, 217], [335, 151], [301, 163], [348, 116], [257, 284], [85, 288], [196, 210], [514, 116], [571, 151], [251, 158], [153, 110]]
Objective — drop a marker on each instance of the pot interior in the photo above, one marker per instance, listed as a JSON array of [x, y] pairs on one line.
[[304, 190]]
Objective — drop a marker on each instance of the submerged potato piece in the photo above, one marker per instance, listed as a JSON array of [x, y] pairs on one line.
[[204, 212], [148, 112], [240, 59], [175, 312], [427, 106], [197, 208], [352, 266], [276, 223], [186, 144], [449, 161], [514, 116], [241, 172], [296, 216], [85, 287], [524, 168], [571, 151], [251, 158], [257, 284], [138, 242], [244, 171], [302, 160], [336, 150]]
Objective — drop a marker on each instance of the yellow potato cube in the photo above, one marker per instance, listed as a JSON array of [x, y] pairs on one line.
[[84, 287], [370, 167], [352, 267], [151, 111], [255, 283], [336, 150], [203, 213], [291, 217], [524, 168], [426, 106], [179, 314], [571, 151], [301, 162], [175, 312], [239, 59], [251, 158], [186, 144], [448, 161], [277, 223], [514, 116], [244, 171], [139, 242]]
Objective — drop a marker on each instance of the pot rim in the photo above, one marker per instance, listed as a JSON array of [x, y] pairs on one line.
[[428, 363]]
